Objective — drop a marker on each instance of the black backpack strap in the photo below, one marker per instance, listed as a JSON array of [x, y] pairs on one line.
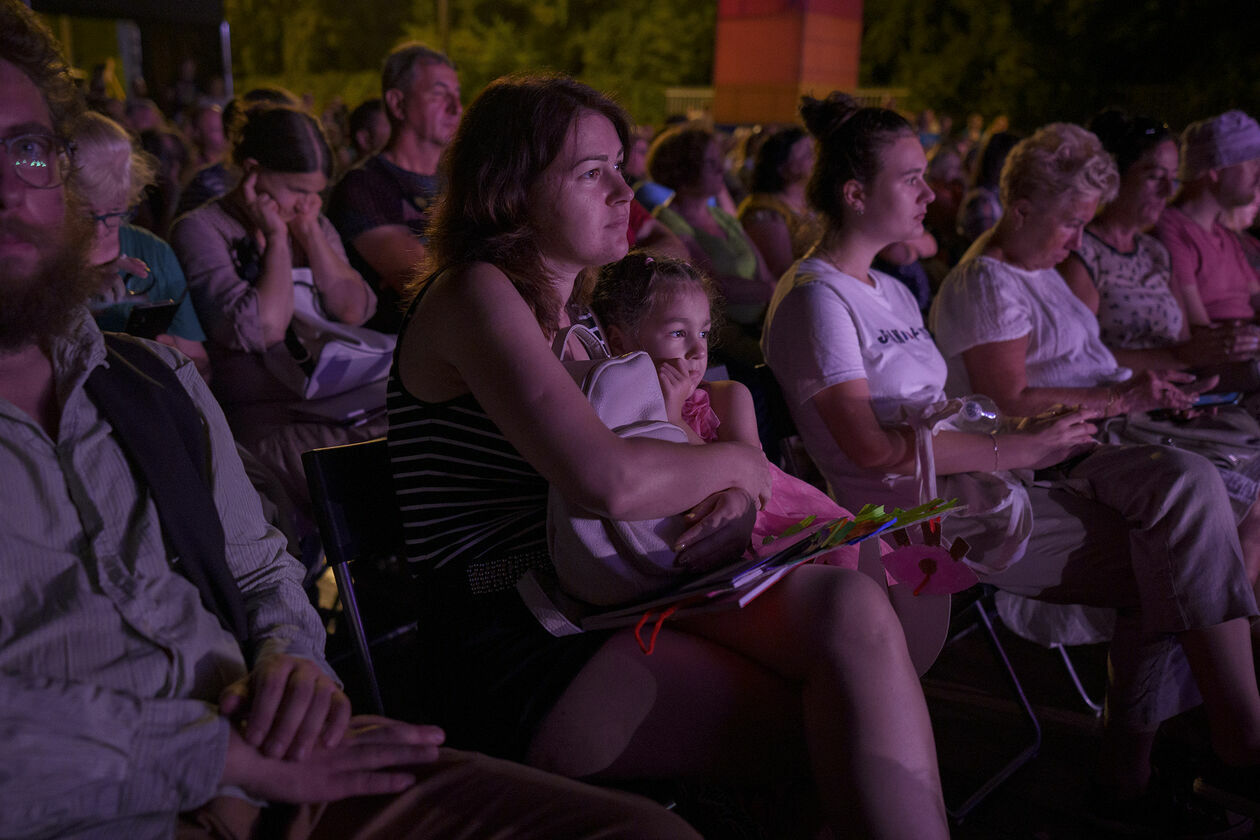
[[164, 438]]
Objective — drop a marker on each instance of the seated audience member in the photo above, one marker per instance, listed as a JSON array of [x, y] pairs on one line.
[[530, 203], [240, 253], [948, 180], [866, 386], [139, 269], [216, 178], [382, 207], [1220, 170], [1124, 274], [646, 233], [648, 193], [1241, 220], [775, 215], [981, 205], [369, 129], [143, 115], [902, 260], [137, 703], [207, 134], [688, 160], [161, 199], [1009, 326]]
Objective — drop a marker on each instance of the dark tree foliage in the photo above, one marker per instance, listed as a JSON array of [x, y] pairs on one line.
[[631, 48], [1044, 60]]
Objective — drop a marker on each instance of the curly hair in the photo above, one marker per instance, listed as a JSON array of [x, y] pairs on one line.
[[625, 291], [108, 168], [506, 139], [1058, 160], [677, 155], [28, 45], [851, 143]]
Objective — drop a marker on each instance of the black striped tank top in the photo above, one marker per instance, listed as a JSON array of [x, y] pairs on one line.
[[471, 506]]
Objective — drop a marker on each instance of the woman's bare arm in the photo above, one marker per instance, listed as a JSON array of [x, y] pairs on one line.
[[475, 333], [846, 410]]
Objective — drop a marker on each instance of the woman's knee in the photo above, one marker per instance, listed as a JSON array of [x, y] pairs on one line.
[[849, 613]]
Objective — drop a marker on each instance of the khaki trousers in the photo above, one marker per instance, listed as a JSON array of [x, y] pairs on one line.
[[461, 795]]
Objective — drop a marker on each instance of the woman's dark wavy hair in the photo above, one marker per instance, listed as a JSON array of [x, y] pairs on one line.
[[772, 153], [626, 290], [28, 45], [507, 137], [851, 143], [282, 139], [1128, 138]]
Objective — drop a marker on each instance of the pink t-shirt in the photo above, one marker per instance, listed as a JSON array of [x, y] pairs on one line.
[[1212, 261]]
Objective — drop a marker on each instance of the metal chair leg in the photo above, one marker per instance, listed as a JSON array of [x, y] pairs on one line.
[[1076, 681], [1027, 753], [350, 611]]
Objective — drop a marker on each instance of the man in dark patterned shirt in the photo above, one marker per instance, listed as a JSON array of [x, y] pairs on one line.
[[381, 208]]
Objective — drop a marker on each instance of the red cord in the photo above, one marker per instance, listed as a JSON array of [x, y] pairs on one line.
[[650, 645]]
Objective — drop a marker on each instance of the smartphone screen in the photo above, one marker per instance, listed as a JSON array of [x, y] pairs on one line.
[[1223, 398]]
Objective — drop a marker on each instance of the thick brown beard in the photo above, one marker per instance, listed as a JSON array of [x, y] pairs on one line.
[[35, 311]]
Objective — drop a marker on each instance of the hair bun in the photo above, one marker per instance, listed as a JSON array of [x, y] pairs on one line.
[[824, 116]]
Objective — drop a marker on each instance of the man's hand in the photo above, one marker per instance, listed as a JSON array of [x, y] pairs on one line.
[[287, 704], [372, 759]]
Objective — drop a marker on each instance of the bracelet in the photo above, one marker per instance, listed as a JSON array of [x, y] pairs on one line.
[[993, 439]]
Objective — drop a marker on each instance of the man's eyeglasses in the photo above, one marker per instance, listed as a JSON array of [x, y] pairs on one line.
[[40, 160], [116, 219]]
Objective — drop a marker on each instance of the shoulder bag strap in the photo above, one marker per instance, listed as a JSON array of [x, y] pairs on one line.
[[160, 430]]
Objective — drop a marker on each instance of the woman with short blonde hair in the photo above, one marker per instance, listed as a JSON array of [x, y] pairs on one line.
[[139, 269], [1060, 159]]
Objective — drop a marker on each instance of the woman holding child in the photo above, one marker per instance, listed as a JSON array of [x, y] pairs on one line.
[[812, 677], [1145, 529]]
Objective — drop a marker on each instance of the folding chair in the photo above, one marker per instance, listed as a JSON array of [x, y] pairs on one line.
[[779, 437], [982, 607], [352, 493]]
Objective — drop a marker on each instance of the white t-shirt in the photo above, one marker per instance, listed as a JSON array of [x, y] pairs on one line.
[[825, 327], [984, 300]]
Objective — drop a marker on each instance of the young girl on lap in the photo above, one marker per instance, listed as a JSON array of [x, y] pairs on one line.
[[665, 307]]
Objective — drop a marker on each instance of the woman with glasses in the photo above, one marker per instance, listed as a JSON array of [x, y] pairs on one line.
[[1124, 274], [688, 160], [143, 290]]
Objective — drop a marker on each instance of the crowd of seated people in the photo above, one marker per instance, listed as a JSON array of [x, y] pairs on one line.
[[1079, 281], [155, 691]]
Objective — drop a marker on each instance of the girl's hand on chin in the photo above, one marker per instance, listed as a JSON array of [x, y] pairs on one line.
[[676, 386]]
